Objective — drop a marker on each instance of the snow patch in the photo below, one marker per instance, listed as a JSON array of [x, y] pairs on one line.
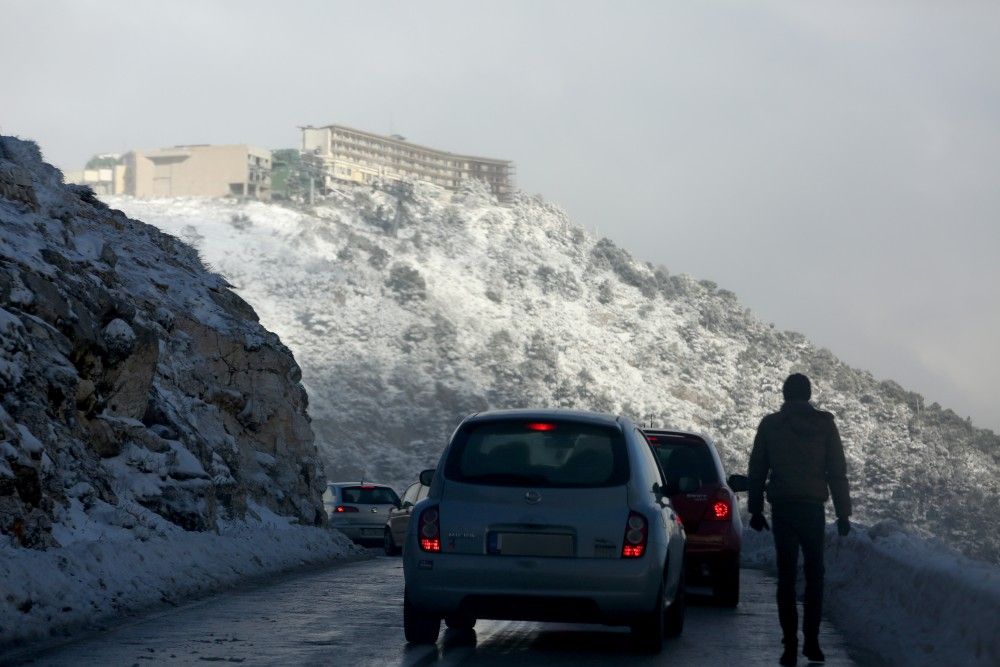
[[54, 592], [914, 603], [29, 442]]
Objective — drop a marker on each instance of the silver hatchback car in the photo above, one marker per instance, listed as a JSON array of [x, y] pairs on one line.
[[359, 510], [546, 515]]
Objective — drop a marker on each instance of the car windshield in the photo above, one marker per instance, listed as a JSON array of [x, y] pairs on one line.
[[687, 463], [538, 454], [369, 495]]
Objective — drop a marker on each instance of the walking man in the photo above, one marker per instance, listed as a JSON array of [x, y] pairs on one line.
[[799, 447]]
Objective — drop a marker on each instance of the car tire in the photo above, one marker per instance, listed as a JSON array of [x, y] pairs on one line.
[[460, 622], [647, 632], [673, 624], [419, 627], [726, 587], [389, 544]]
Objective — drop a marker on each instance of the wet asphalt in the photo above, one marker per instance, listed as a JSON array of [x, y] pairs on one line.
[[351, 614]]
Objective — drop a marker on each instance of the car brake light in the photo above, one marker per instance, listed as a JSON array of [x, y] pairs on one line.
[[540, 426], [636, 536], [429, 530], [345, 508], [721, 508]]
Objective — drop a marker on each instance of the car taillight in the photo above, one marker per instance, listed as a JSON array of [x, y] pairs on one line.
[[720, 509], [636, 536], [540, 426], [429, 530], [345, 508]]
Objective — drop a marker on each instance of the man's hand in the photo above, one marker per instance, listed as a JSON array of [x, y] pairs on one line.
[[843, 526], [759, 523]]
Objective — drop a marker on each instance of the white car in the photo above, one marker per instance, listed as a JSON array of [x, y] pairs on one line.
[[359, 509], [546, 515]]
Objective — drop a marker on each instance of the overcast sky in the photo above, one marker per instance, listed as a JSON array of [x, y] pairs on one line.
[[835, 165]]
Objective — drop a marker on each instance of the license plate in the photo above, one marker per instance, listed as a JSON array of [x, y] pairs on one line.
[[532, 544]]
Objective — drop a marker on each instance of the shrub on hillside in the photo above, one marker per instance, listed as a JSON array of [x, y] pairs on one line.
[[241, 221], [607, 254], [406, 283]]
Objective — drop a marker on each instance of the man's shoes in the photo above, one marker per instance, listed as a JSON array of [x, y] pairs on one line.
[[812, 652], [789, 657], [758, 522]]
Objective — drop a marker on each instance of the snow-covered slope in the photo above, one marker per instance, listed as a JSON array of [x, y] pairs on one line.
[[409, 307]]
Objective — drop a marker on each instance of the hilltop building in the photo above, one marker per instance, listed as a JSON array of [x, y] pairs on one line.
[[199, 171], [183, 171], [345, 154]]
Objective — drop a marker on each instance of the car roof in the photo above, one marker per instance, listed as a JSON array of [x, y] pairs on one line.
[[372, 484], [552, 413], [677, 432]]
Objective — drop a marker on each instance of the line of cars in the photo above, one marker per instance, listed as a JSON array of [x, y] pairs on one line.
[[557, 515]]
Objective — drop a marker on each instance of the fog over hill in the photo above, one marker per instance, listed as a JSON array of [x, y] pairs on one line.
[[409, 307]]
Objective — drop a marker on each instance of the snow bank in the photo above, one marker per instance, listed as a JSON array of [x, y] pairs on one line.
[[907, 600], [52, 592]]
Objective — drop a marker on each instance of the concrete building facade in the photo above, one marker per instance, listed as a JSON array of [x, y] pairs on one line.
[[198, 171], [345, 154]]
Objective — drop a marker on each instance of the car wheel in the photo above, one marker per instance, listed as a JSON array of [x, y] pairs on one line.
[[726, 587], [647, 633], [419, 627], [389, 544], [460, 622], [673, 624]]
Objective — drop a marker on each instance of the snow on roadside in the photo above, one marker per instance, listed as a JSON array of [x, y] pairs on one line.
[[903, 598], [56, 591]]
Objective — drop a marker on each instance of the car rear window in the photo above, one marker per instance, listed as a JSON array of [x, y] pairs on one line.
[[364, 495], [686, 461], [538, 453]]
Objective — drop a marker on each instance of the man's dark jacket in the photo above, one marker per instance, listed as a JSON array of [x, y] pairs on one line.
[[800, 446]]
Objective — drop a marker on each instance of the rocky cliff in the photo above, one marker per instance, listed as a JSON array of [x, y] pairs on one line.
[[135, 387]]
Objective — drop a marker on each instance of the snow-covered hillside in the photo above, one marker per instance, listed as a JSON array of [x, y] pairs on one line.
[[409, 307]]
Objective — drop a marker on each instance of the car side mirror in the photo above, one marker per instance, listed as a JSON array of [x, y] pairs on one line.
[[738, 483], [427, 476]]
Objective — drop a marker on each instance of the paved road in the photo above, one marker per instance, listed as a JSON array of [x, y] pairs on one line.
[[352, 615]]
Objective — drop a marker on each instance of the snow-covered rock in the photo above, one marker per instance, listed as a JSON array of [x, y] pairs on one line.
[[137, 392], [911, 602], [409, 307]]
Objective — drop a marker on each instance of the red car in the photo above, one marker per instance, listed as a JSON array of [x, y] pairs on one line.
[[706, 503]]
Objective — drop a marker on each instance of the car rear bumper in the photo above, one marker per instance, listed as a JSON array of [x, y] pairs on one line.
[[613, 591], [713, 539]]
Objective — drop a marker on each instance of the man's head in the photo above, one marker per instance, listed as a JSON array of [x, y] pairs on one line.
[[797, 388]]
